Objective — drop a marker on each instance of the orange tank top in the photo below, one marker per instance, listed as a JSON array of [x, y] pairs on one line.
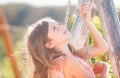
[[57, 71]]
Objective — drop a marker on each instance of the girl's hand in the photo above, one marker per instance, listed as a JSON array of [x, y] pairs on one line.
[[85, 12], [98, 68], [101, 69]]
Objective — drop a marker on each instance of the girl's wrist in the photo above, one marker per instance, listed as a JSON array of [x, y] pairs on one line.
[[89, 22]]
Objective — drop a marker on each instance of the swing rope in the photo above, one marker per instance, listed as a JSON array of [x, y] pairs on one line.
[[83, 32]]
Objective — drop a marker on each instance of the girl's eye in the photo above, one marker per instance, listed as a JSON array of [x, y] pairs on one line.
[[54, 28], [60, 24]]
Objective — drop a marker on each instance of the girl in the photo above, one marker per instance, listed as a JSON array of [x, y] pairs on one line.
[[53, 57]]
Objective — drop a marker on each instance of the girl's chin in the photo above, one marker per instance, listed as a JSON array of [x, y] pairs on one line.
[[70, 35]]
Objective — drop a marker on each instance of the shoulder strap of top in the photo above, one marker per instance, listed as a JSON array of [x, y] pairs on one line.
[[57, 70]]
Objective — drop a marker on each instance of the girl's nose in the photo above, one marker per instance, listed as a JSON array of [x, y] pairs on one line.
[[62, 27]]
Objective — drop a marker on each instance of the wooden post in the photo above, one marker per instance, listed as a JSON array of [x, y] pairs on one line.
[[0, 70], [8, 44], [111, 30]]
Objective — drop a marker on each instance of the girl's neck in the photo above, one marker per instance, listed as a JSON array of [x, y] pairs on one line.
[[63, 48]]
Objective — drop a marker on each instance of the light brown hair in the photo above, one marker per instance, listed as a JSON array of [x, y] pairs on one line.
[[42, 57]]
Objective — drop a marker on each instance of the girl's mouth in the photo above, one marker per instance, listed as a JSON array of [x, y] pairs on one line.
[[65, 32]]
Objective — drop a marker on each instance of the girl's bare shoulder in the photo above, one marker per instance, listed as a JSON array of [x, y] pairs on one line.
[[73, 68]]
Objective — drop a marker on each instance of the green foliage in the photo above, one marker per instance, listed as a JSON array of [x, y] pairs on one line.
[[119, 14], [71, 21], [20, 56], [96, 22], [6, 69], [2, 49], [104, 57], [16, 36]]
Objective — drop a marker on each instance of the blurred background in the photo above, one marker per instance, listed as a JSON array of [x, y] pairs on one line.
[[20, 14]]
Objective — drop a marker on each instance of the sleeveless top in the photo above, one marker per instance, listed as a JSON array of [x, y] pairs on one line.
[[57, 71]]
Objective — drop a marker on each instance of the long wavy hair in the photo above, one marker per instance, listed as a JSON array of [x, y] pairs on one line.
[[42, 57]]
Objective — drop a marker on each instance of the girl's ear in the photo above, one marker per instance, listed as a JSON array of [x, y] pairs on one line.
[[50, 44]]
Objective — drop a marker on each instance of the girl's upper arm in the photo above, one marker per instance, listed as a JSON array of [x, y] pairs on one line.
[[75, 69], [91, 52]]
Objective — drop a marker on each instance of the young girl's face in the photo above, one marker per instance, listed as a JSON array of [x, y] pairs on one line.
[[58, 33]]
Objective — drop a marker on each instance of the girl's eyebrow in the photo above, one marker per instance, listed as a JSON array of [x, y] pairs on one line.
[[61, 23], [53, 26]]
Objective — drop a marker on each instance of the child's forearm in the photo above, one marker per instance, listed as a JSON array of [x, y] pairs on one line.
[[98, 40]]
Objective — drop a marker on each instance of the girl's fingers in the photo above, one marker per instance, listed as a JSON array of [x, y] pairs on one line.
[[96, 71], [85, 3], [84, 10], [98, 67], [85, 6]]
